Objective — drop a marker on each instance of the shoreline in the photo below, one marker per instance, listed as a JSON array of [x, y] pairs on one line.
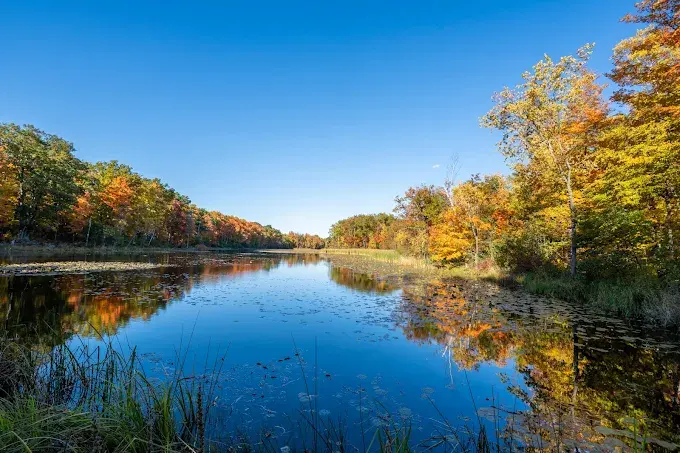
[[53, 268], [66, 249], [628, 300], [631, 301]]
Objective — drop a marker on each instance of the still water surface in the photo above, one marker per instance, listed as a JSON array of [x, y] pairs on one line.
[[301, 334]]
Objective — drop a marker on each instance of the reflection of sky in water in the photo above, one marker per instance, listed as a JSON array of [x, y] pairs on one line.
[[376, 345], [259, 316]]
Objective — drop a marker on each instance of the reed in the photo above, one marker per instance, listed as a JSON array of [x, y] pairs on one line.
[[83, 400]]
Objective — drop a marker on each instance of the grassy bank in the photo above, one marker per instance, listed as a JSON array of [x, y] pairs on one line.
[[637, 299], [392, 264], [633, 299]]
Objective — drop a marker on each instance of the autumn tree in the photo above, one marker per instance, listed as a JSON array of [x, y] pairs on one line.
[[549, 123], [44, 168], [362, 231], [418, 210], [151, 205], [451, 239], [421, 204], [9, 189], [639, 182], [479, 213]]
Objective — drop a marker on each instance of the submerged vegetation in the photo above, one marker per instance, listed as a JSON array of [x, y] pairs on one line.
[[591, 210], [72, 267], [80, 400]]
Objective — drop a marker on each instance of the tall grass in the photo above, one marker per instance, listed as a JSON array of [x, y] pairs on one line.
[[82, 400], [421, 266], [387, 256], [631, 299]]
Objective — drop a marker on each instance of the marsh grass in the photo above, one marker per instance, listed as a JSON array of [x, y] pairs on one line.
[[631, 299], [392, 257], [82, 400], [638, 298], [391, 262]]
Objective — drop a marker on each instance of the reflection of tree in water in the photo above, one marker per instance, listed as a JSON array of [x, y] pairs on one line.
[[470, 333], [360, 282], [31, 309], [586, 384], [305, 259], [47, 310]]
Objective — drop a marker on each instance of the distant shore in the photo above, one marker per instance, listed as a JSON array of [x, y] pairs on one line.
[[631, 300], [70, 249], [73, 267]]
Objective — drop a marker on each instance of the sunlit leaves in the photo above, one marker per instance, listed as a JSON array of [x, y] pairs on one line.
[[480, 213], [549, 126], [44, 190], [9, 190], [43, 170]]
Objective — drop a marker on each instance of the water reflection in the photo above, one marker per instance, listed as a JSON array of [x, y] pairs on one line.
[[50, 309], [360, 282], [587, 383], [586, 378]]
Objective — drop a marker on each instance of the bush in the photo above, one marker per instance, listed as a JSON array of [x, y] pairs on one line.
[[526, 251]]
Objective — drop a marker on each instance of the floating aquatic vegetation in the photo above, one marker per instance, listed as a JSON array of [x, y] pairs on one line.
[[74, 267], [524, 355]]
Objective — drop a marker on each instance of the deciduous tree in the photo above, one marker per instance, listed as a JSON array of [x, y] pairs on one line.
[[550, 122]]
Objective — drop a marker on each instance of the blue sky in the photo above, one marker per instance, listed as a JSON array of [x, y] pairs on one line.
[[290, 113]]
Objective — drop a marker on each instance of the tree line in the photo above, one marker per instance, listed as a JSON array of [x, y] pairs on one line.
[[594, 187], [47, 193]]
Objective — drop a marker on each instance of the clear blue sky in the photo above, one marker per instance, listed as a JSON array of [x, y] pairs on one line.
[[290, 113]]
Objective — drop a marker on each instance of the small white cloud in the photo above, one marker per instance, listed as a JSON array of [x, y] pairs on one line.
[[435, 166]]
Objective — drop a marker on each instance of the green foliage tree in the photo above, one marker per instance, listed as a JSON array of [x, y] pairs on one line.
[[639, 161], [45, 171], [48, 193], [549, 127]]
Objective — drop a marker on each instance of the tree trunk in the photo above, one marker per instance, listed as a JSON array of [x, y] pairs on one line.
[[87, 236], [476, 234], [20, 202], [572, 229], [572, 257], [669, 227]]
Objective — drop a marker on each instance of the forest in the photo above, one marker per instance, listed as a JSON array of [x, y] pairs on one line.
[[593, 190], [48, 194]]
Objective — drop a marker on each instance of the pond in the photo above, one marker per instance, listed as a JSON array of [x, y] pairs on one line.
[[301, 338]]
